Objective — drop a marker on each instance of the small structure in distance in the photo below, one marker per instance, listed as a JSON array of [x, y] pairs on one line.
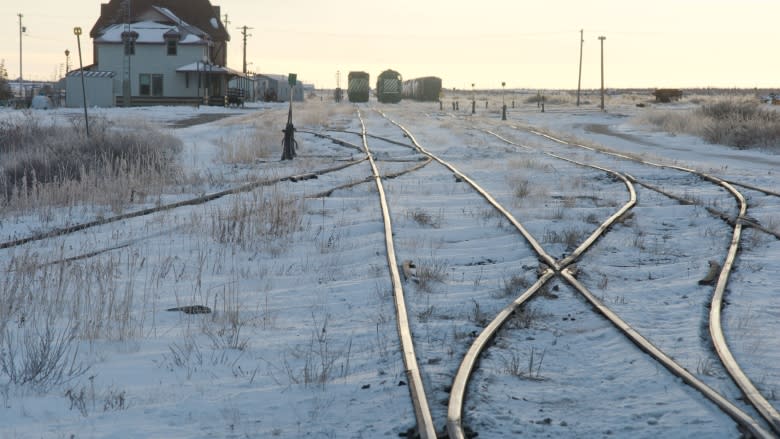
[[667, 94]]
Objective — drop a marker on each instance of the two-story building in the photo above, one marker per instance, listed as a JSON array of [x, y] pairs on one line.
[[156, 52]]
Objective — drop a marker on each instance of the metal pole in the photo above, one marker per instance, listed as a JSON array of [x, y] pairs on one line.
[[602, 38], [473, 100], [21, 82], [77, 31], [579, 78], [503, 101]]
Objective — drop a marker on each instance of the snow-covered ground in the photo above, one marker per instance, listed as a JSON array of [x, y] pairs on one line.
[[302, 341]]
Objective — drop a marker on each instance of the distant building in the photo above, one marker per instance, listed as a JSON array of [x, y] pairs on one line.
[[156, 52]]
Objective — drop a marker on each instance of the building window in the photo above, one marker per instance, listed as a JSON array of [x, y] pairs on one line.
[[150, 84], [172, 46]]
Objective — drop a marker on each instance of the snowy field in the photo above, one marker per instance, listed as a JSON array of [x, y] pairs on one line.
[[302, 340]]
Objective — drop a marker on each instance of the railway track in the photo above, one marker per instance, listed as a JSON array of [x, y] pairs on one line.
[[504, 245], [454, 420], [753, 395]]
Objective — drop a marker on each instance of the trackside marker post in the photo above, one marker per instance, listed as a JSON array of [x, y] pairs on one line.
[[289, 145]]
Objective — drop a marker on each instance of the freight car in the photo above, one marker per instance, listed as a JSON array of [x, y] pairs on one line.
[[422, 89], [357, 88], [388, 86]]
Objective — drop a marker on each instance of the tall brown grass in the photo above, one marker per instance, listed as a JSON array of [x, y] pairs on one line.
[[45, 163], [738, 122]]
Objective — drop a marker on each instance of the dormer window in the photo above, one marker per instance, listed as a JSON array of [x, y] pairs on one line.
[[172, 42], [128, 38], [171, 46]]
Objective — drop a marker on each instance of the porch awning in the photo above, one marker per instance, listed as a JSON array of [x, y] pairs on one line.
[[202, 67]]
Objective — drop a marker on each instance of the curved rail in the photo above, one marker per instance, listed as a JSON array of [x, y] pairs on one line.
[[755, 398], [422, 411], [716, 330], [456, 399], [738, 415], [455, 408], [461, 380], [543, 255]]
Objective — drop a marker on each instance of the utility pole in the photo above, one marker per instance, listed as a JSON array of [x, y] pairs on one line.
[[244, 30], [579, 78], [226, 21], [602, 38], [21, 82], [77, 32], [128, 40]]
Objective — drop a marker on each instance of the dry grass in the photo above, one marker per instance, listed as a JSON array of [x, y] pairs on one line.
[[738, 122], [252, 220], [261, 142], [45, 164]]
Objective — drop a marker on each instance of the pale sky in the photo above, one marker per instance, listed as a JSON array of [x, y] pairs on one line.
[[527, 44]]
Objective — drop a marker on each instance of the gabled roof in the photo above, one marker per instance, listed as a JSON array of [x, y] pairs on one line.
[[198, 13], [150, 32]]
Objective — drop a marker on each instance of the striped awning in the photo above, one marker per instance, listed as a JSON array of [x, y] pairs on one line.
[[92, 74]]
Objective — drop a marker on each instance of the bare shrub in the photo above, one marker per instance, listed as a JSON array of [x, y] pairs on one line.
[[225, 326], [47, 163], [559, 98], [524, 317], [569, 237], [254, 219], [522, 189], [735, 122], [90, 295], [321, 360], [40, 355], [741, 123], [430, 270], [531, 368], [512, 286], [424, 218], [260, 143]]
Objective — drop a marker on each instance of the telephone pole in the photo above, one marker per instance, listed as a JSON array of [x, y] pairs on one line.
[[602, 38], [21, 82], [579, 79], [244, 30]]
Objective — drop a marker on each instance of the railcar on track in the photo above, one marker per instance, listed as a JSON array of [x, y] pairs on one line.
[[427, 88], [389, 86], [358, 86]]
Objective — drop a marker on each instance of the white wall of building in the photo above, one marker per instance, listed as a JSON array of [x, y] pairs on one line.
[[153, 59]]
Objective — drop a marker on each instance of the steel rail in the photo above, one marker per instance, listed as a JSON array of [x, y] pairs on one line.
[[461, 380], [455, 406], [724, 404], [425, 426], [462, 377], [543, 255], [454, 412], [753, 395], [189, 202]]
